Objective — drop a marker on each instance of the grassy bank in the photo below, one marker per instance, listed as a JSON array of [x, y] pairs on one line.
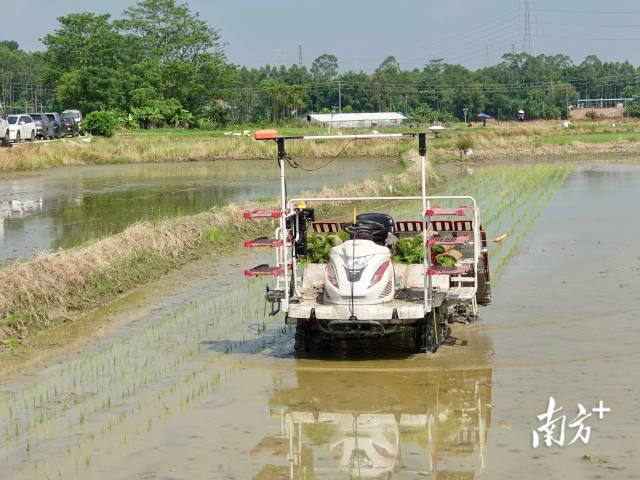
[[56, 286], [179, 148], [541, 138], [506, 139]]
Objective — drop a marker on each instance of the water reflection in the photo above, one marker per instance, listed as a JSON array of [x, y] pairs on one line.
[[62, 208], [379, 425], [20, 208], [12, 210]]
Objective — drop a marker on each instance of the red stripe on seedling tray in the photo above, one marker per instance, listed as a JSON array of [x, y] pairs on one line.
[[262, 214], [435, 211]]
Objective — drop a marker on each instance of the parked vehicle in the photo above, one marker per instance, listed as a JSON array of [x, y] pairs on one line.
[[58, 124], [71, 127], [44, 128], [4, 128], [21, 127], [77, 116]]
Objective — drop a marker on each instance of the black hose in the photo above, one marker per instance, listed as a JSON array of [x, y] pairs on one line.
[[294, 164]]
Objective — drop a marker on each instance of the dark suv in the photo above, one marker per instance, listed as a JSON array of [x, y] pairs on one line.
[[58, 124], [71, 127], [44, 128]]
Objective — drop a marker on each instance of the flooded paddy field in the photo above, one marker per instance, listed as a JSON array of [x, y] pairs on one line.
[[64, 207], [192, 380]]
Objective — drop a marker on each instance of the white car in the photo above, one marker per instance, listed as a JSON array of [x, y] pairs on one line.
[[21, 127]]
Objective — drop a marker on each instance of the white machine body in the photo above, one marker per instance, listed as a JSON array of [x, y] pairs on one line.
[[359, 271]]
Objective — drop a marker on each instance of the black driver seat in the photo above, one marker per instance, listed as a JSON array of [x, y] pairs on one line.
[[384, 219]]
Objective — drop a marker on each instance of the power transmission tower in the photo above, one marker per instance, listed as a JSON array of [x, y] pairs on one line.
[[300, 55], [527, 41]]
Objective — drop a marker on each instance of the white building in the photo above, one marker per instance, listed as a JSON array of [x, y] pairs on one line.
[[357, 120]]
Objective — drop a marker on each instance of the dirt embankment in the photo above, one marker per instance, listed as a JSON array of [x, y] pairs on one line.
[[575, 148], [56, 286], [505, 139]]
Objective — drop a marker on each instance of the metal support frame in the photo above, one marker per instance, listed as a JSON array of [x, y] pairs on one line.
[[477, 240], [282, 156], [284, 253], [426, 223]]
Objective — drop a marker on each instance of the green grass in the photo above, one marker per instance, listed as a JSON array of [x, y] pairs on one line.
[[180, 145], [603, 137], [282, 130]]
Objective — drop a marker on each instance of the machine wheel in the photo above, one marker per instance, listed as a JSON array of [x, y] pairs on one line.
[[5, 141], [303, 337], [429, 335], [18, 137], [33, 136]]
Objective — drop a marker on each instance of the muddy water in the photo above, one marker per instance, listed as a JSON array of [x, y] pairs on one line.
[[61, 208], [193, 382]]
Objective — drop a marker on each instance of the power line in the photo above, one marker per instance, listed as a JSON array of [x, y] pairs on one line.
[[333, 84], [591, 12], [598, 39], [501, 36], [458, 40], [586, 25]]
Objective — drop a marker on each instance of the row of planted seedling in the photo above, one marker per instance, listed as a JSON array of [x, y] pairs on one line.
[[510, 198], [130, 376]]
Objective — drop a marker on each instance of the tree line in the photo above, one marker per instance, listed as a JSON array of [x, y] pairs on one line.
[[161, 64]]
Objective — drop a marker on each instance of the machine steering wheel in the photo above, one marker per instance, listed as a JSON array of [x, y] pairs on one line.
[[365, 226]]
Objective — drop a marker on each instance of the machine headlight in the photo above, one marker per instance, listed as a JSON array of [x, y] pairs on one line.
[[358, 263]]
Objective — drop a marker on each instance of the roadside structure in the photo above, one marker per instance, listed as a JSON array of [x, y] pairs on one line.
[[357, 120], [603, 107]]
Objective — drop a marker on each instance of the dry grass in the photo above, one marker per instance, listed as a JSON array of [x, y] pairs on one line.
[[154, 149], [540, 139], [39, 292], [505, 138]]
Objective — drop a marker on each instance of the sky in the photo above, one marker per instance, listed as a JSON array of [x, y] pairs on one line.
[[361, 33]]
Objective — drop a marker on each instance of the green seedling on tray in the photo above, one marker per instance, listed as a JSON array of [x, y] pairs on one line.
[[409, 250], [445, 260], [318, 248]]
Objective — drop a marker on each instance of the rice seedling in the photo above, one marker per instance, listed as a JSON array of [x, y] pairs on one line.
[[123, 388], [511, 198]]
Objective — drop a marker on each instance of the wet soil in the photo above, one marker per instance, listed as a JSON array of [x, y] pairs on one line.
[[193, 381]]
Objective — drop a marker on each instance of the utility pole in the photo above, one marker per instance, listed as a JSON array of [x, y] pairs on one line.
[[528, 35], [300, 55], [339, 97], [486, 56]]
